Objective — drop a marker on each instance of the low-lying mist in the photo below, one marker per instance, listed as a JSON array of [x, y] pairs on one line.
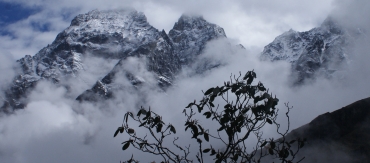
[[54, 127]]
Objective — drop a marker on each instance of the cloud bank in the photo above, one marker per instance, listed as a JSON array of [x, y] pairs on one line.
[[56, 128]]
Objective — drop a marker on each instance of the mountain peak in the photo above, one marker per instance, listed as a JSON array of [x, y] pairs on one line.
[[188, 22], [103, 14], [320, 51], [109, 20], [190, 34], [332, 25]]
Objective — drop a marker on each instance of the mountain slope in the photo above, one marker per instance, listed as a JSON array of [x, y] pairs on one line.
[[339, 136]]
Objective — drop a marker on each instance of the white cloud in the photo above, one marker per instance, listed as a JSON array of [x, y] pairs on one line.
[[55, 128]]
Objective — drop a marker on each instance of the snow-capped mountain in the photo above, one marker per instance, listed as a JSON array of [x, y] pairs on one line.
[[126, 34], [190, 34], [117, 34], [165, 57], [320, 51]]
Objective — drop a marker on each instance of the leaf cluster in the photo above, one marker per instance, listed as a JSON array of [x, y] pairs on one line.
[[158, 130], [239, 108]]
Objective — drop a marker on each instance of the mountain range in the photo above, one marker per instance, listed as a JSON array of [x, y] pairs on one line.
[[124, 35], [118, 34]]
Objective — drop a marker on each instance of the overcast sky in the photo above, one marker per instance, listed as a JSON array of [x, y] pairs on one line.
[[53, 128]]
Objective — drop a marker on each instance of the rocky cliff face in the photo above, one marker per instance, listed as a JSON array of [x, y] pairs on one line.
[[119, 34], [321, 51]]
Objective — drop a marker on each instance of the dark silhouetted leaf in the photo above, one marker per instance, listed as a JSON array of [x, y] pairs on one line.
[[153, 124], [266, 95], [234, 87], [148, 114], [199, 108], [157, 119], [246, 75], [224, 119], [268, 121], [195, 131], [126, 117], [209, 91], [201, 129], [207, 114], [254, 74], [261, 87], [159, 127], [213, 152], [212, 98], [283, 153], [191, 104], [275, 101], [172, 129], [249, 81], [206, 137], [130, 131], [235, 158], [272, 145], [216, 90], [115, 134], [221, 128], [256, 99], [126, 146], [206, 150], [263, 144]]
